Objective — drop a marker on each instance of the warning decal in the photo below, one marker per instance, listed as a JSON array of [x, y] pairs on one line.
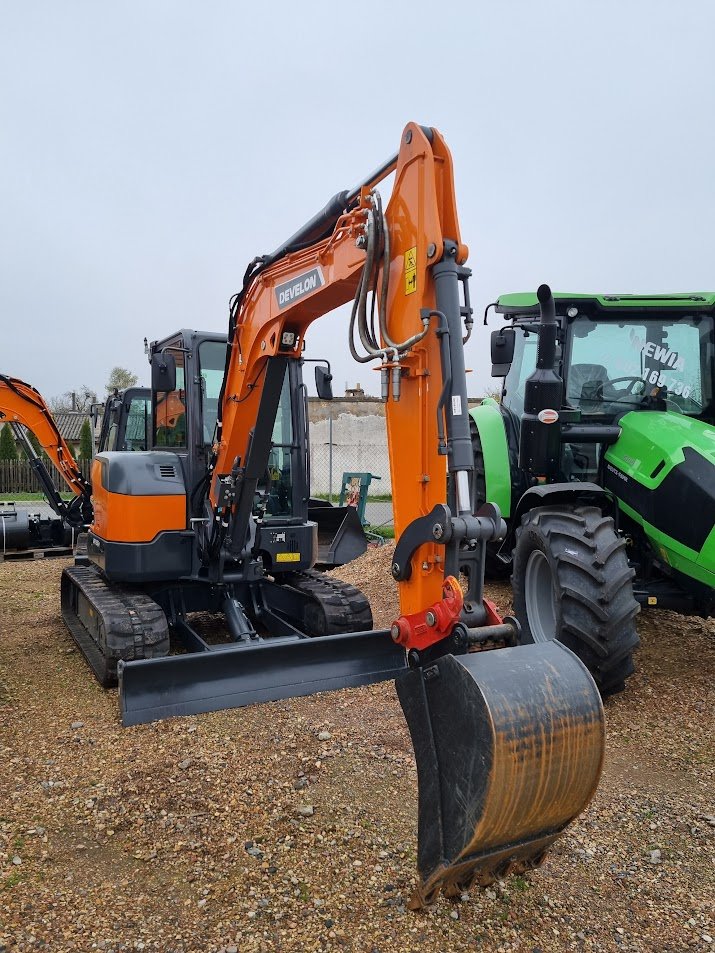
[[411, 270]]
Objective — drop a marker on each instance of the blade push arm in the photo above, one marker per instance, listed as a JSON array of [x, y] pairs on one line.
[[411, 260], [22, 406]]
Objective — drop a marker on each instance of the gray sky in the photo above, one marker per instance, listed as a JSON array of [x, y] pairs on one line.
[[149, 149]]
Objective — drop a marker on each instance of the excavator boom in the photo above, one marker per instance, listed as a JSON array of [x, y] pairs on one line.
[[24, 408]]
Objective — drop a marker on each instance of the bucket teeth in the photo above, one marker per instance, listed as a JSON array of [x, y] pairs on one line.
[[509, 748], [480, 872]]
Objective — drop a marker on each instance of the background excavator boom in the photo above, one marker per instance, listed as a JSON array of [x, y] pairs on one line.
[[23, 407]]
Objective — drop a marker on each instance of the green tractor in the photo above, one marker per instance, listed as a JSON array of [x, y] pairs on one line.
[[601, 457]]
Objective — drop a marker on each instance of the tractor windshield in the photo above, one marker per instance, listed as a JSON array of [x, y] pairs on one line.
[[623, 362]]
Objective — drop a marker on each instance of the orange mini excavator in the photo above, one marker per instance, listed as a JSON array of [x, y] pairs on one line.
[[23, 408], [508, 740]]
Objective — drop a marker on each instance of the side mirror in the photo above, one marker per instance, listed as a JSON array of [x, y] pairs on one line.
[[324, 382], [502, 351], [163, 371]]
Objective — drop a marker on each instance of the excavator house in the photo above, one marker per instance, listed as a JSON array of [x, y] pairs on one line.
[[214, 518]]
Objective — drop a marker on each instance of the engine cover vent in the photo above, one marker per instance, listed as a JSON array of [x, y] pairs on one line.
[[168, 471]]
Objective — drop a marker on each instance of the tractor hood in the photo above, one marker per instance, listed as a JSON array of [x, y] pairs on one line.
[[662, 470]]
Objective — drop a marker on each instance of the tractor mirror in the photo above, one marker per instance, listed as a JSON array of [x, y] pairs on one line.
[[502, 351], [163, 372], [324, 382]]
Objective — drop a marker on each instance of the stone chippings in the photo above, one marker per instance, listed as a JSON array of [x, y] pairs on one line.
[[291, 826]]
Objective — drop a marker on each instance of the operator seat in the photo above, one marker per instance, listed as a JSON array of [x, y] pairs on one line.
[[585, 386]]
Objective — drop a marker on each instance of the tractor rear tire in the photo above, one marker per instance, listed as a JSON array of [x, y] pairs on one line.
[[495, 567], [572, 582]]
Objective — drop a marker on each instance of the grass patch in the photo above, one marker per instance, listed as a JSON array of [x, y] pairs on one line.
[[387, 532], [29, 497]]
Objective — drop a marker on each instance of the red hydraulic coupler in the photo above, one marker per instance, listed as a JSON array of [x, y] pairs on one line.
[[422, 629]]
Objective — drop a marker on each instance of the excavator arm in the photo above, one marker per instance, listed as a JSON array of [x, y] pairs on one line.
[[411, 259], [509, 743], [24, 408]]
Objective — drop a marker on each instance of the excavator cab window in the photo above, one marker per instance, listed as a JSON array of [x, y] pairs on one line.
[[136, 431], [170, 414], [212, 363], [279, 497]]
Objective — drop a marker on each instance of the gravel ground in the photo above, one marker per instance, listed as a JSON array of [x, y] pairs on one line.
[[291, 826]]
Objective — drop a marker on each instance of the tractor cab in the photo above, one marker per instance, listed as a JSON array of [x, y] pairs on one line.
[[615, 354], [618, 352], [601, 456]]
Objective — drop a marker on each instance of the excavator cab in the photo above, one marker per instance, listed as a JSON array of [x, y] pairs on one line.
[[126, 420]]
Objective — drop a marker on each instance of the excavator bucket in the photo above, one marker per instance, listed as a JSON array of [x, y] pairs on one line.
[[509, 747], [341, 537]]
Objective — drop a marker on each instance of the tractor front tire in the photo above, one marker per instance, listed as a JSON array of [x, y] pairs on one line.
[[572, 582]]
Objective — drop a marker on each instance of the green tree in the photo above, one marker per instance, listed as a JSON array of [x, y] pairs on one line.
[[8, 450], [86, 445], [119, 379]]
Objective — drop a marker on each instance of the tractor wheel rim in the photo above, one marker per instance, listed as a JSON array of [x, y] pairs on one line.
[[540, 603]]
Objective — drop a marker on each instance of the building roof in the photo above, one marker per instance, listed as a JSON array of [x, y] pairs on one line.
[[69, 423]]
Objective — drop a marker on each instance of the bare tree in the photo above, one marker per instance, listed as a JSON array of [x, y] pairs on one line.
[[80, 400]]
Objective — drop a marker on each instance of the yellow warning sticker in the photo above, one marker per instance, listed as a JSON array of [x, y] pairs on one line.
[[652, 601], [411, 270], [287, 557]]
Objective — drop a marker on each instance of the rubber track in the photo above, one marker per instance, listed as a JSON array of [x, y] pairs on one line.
[[132, 625], [346, 608]]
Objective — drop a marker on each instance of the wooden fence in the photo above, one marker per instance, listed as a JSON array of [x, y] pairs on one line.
[[16, 476]]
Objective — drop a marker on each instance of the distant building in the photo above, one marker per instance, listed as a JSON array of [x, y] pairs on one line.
[[69, 423]]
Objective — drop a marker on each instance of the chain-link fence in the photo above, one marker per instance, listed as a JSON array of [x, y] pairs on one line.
[[346, 450]]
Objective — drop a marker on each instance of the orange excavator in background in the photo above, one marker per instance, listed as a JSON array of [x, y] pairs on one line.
[[23, 408], [125, 426], [508, 740]]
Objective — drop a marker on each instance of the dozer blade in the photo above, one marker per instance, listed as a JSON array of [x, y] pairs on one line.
[[246, 674], [509, 747]]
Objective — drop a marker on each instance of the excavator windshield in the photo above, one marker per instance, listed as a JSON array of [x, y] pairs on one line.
[[279, 484], [212, 362]]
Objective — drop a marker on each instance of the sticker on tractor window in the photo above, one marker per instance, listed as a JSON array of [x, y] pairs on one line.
[[548, 416], [659, 378], [658, 353], [411, 270], [287, 557]]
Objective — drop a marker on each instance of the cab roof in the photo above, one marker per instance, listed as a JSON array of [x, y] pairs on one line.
[[526, 302]]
